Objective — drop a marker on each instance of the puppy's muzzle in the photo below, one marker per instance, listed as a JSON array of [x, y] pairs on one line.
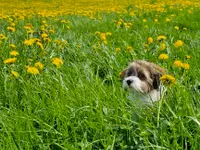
[[129, 81]]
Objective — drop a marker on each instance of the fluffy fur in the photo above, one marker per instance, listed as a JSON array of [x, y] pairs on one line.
[[141, 78]]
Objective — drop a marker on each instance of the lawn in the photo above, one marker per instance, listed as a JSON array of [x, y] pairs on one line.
[[60, 74]]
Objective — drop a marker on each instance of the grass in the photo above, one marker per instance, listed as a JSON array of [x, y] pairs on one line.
[[81, 104]]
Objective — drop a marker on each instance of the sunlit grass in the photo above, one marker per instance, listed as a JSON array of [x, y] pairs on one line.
[[60, 64]]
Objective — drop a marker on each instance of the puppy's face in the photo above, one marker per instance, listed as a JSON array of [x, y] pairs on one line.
[[141, 76]]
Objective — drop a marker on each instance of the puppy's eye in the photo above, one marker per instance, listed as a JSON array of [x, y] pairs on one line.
[[141, 76]]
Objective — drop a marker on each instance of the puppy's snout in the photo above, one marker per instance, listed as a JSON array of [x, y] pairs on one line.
[[129, 82]]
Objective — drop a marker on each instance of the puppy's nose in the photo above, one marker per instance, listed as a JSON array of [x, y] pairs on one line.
[[129, 82]]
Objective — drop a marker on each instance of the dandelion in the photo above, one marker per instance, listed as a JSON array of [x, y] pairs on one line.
[[144, 20], [97, 33], [12, 29], [185, 28], [40, 45], [108, 33], [178, 63], [32, 70], [57, 62], [2, 37], [178, 43], [167, 20], [29, 42], [12, 46], [161, 37], [14, 53], [168, 79], [14, 73], [162, 46], [44, 35], [129, 48], [39, 65], [103, 36], [176, 27], [117, 50], [150, 40], [51, 31], [10, 61], [163, 57], [155, 20], [186, 66], [188, 56], [68, 27]]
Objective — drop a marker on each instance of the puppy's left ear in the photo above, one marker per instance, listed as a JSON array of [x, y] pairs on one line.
[[156, 80]]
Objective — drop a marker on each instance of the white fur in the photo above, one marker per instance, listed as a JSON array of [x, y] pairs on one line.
[[138, 95]]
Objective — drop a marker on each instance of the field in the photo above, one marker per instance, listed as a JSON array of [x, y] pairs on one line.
[[60, 65]]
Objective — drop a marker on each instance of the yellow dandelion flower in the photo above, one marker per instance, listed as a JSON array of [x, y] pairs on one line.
[[51, 31], [155, 20], [167, 20], [129, 48], [108, 33], [29, 42], [103, 36], [176, 27], [97, 33], [162, 46], [44, 35], [40, 45], [10, 61], [186, 66], [39, 65], [144, 20], [178, 43], [150, 40], [68, 27], [161, 37], [12, 29], [14, 53], [57, 62], [14, 73], [188, 56], [163, 57], [178, 63], [168, 79], [117, 50], [32, 70], [185, 28], [12, 46], [2, 37]]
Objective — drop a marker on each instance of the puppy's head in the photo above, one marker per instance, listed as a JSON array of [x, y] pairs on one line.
[[141, 76]]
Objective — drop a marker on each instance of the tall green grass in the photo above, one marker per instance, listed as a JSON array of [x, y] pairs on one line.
[[82, 105]]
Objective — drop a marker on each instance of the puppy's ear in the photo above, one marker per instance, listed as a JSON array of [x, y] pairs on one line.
[[156, 80], [122, 74]]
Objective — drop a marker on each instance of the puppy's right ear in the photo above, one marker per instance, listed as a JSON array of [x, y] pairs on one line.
[[122, 74]]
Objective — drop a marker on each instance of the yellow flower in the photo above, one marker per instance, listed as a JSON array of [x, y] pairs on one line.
[[144, 20], [68, 27], [162, 46], [57, 62], [12, 46], [12, 29], [29, 42], [163, 57], [2, 37], [150, 40], [185, 28], [186, 66], [103, 36], [40, 45], [32, 70], [178, 43], [168, 79], [14, 53], [178, 63], [44, 35], [161, 37], [39, 65], [108, 33], [155, 20], [176, 27], [129, 48], [10, 60], [97, 33], [15, 74], [167, 20], [51, 31], [188, 56], [117, 50]]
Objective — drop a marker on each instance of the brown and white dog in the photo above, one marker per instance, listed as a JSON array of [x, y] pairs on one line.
[[142, 79]]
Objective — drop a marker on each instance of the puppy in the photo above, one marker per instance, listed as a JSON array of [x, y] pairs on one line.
[[142, 79]]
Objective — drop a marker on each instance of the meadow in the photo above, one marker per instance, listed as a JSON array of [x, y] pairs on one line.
[[60, 65]]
